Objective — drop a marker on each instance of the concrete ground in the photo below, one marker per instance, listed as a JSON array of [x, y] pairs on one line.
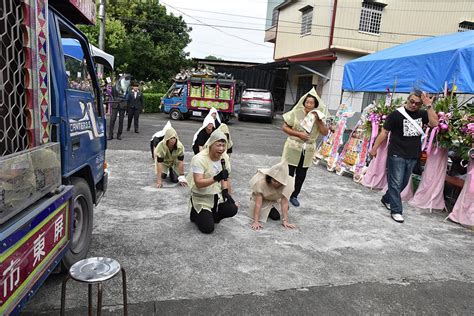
[[346, 256]]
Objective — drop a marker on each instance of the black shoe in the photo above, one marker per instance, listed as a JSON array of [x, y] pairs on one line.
[[387, 205], [110, 138], [136, 131], [128, 129], [119, 137]]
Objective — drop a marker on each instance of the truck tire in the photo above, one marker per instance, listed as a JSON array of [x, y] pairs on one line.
[[225, 118], [176, 115], [82, 226]]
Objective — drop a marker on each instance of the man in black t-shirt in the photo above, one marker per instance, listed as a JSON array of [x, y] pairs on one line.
[[404, 146]]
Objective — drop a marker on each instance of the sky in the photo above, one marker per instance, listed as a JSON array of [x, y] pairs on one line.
[[229, 43]]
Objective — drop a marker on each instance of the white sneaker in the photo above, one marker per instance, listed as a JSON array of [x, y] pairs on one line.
[[397, 217]]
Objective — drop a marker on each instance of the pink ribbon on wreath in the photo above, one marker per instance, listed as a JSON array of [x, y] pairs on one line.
[[375, 128], [434, 131], [425, 140], [470, 128]]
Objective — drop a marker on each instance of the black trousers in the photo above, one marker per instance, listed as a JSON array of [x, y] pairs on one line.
[[274, 214], [113, 118], [133, 113], [173, 176], [300, 176], [206, 219]]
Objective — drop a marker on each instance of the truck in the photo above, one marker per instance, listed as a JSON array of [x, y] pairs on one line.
[[194, 96], [52, 144]]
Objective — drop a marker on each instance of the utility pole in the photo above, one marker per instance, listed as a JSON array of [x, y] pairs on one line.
[[100, 68]]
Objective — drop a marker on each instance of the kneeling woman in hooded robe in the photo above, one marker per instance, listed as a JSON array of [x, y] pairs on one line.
[[271, 189], [209, 181], [169, 157]]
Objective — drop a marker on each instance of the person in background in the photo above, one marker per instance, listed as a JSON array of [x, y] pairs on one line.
[[215, 115], [225, 129], [405, 125], [203, 134], [119, 106], [157, 138], [209, 181], [169, 157], [135, 105], [303, 125], [271, 188]]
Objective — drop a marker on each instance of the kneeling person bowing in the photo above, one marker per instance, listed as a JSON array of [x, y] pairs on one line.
[[271, 189]]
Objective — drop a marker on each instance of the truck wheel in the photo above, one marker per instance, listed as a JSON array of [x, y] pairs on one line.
[[175, 115], [82, 223], [225, 118]]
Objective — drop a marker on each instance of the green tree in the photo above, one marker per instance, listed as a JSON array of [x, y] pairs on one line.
[[146, 41], [115, 41], [211, 57], [156, 39]]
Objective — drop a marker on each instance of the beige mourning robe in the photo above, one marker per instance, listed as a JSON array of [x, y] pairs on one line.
[[203, 198], [294, 146], [271, 197]]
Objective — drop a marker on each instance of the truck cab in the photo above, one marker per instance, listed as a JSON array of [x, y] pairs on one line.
[[174, 101], [52, 144], [195, 96]]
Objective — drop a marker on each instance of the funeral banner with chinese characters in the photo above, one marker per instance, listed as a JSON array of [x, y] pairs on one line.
[[30, 250]]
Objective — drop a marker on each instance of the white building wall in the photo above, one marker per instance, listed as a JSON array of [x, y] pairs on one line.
[[289, 41], [402, 21]]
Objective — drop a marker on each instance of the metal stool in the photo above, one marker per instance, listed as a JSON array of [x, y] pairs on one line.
[[95, 271]]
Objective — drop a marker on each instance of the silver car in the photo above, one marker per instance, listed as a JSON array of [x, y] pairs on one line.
[[257, 103]]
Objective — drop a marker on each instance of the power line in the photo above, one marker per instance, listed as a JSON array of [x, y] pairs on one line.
[[317, 25], [217, 45], [344, 7], [234, 57], [228, 34], [215, 26]]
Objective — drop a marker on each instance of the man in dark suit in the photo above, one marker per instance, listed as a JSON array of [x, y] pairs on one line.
[[118, 108], [135, 106]]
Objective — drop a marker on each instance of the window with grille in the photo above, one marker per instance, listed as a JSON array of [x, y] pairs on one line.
[[275, 17], [370, 17], [466, 26], [13, 106], [306, 20]]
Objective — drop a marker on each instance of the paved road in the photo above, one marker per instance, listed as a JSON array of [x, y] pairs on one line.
[[346, 257]]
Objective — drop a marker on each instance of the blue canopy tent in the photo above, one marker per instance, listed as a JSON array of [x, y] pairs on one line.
[[72, 48], [424, 64]]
